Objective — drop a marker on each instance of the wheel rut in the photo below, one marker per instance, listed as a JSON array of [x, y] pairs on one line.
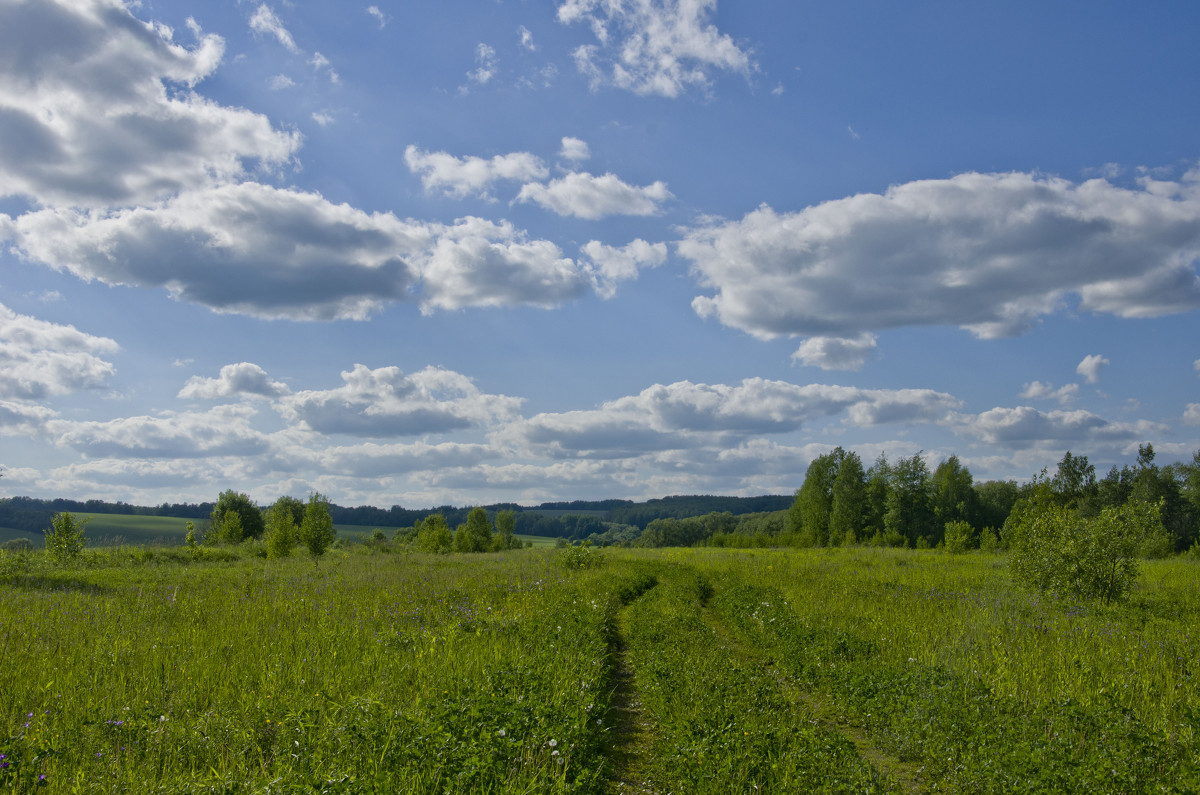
[[900, 774], [631, 729]]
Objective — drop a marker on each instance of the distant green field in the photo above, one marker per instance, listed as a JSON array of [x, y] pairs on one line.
[[116, 528]]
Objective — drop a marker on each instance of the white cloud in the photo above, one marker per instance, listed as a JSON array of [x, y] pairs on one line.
[[661, 47], [465, 176], [1036, 390], [323, 118], [1191, 415], [372, 460], [485, 65], [22, 418], [526, 39], [39, 359], [262, 251], [243, 248], [319, 62], [684, 415], [836, 353], [615, 265], [987, 252], [574, 149], [386, 402], [266, 22], [1089, 368], [1196, 365], [220, 431], [586, 196], [379, 15], [86, 117], [481, 263], [280, 82], [1024, 426], [234, 380]]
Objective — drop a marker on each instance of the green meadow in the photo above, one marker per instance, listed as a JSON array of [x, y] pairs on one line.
[[376, 669]]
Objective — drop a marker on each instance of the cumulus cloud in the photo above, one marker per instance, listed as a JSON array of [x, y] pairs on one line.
[[245, 248], [323, 118], [97, 109], [836, 353], [653, 47], [267, 252], [372, 460], [1036, 390], [586, 196], [1024, 426], [280, 82], [319, 62], [1191, 414], [22, 418], [481, 263], [987, 252], [386, 402], [1089, 368], [234, 380], [267, 22], [614, 265], [220, 431], [465, 176], [39, 359], [574, 149], [684, 415]]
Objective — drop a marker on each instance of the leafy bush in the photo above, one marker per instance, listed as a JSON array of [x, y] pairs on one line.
[[584, 556], [960, 537], [64, 539], [17, 546], [1054, 549]]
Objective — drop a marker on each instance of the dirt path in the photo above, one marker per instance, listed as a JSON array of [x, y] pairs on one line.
[[631, 729], [900, 774]]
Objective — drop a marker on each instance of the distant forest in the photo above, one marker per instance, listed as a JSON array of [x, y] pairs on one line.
[[574, 520]]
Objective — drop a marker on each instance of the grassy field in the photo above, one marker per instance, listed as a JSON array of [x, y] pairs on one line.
[[110, 529], [684, 671]]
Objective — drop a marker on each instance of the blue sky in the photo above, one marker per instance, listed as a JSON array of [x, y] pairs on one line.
[[503, 250]]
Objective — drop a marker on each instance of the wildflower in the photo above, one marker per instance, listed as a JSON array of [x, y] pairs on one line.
[[502, 733], [552, 743]]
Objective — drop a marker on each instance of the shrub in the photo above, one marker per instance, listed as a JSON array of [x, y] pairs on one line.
[[17, 546], [64, 539], [584, 556], [960, 537], [1054, 549], [316, 531]]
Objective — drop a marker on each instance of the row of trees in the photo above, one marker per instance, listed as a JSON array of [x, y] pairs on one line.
[[476, 534], [286, 523], [902, 503]]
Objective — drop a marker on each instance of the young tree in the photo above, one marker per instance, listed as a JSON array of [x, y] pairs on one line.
[[909, 513], [316, 531], [250, 516], [505, 538], [848, 502], [433, 534], [230, 529], [280, 535], [64, 539], [809, 515], [479, 530], [953, 492]]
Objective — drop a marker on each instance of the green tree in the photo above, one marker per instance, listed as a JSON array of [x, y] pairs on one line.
[[994, 500], [878, 479], [848, 502], [433, 534], [230, 529], [316, 531], [813, 504], [249, 515], [959, 536], [909, 513], [506, 527], [954, 498], [479, 530], [65, 539], [281, 533], [1074, 483]]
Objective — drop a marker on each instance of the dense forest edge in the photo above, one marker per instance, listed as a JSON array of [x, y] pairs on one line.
[[841, 502]]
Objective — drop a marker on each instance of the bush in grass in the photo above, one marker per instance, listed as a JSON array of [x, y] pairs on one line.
[[250, 518], [1054, 549], [17, 546], [64, 539], [584, 556], [960, 537], [433, 534], [989, 540]]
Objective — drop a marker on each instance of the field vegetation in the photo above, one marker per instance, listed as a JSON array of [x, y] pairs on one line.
[[383, 669]]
